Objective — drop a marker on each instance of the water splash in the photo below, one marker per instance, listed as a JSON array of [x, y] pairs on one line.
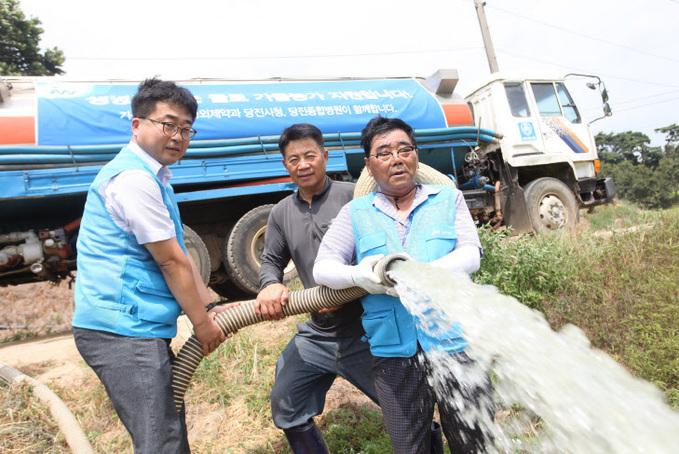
[[585, 401]]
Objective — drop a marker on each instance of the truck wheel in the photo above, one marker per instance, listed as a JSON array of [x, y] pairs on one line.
[[243, 250], [196, 248], [551, 205], [222, 285]]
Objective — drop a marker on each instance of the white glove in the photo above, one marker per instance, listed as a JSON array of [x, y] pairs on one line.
[[364, 276]]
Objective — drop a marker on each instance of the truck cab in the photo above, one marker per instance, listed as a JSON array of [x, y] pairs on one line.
[[547, 149]]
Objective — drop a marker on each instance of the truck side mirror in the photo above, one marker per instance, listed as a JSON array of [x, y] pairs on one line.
[[604, 95]]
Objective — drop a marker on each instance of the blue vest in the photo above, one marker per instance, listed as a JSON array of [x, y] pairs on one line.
[[391, 330], [119, 287]]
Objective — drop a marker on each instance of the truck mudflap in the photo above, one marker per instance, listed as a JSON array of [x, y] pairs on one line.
[[514, 209], [608, 187]]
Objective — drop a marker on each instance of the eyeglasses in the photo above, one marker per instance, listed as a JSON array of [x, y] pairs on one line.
[[403, 152], [170, 129]]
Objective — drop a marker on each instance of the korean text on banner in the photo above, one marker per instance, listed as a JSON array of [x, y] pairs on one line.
[[98, 114]]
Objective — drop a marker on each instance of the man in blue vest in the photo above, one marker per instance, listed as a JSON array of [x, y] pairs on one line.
[[134, 275], [431, 224]]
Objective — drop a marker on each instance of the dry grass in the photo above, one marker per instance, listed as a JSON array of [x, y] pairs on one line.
[[38, 309], [26, 426], [227, 402]]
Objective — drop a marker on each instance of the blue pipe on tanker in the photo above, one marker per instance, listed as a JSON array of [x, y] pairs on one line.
[[17, 155], [38, 158]]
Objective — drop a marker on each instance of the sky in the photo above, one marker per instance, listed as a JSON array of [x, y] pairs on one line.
[[631, 45]]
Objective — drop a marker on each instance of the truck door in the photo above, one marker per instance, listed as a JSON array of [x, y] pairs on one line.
[[560, 124]]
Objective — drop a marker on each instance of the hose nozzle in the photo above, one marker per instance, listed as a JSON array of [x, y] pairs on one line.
[[385, 264]]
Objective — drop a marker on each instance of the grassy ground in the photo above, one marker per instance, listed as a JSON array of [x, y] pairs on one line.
[[616, 278], [26, 425], [620, 286]]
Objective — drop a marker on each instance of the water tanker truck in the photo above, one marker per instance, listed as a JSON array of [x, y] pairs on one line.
[[517, 147]]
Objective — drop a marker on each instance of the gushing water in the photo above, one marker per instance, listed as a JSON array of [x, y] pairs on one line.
[[585, 401]]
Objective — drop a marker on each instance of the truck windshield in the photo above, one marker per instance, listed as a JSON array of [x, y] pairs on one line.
[[517, 99], [569, 109], [545, 97]]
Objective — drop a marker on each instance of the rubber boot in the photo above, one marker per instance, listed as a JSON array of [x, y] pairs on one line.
[[436, 439], [307, 439]]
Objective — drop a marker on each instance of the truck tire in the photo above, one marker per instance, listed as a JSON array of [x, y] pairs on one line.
[[222, 285], [551, 205], [243, 250], [196, 248]]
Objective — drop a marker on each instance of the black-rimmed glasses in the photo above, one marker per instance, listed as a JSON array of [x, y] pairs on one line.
[[170, 129]]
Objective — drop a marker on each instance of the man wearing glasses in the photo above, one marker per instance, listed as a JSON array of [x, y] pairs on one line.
[[134, 275], [432, 224]]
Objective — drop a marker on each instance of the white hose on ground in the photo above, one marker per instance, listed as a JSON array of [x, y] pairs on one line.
[[73, 432]]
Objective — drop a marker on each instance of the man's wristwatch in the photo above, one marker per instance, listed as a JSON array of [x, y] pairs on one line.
[[210, 306]]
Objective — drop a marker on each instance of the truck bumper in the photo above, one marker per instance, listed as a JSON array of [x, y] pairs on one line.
[[601, 193]]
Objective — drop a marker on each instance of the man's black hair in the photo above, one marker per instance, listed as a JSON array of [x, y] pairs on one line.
[[154, 90], [300, 131], [380, 125]]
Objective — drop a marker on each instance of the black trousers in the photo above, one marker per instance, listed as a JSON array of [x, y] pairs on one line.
[[408, 389]]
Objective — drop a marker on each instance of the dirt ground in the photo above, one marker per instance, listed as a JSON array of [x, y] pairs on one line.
[[43, 312]]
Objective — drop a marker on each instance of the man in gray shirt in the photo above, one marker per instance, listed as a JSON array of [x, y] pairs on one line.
[[329, 344]]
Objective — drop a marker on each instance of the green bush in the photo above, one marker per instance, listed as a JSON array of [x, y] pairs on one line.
[[523, 267]]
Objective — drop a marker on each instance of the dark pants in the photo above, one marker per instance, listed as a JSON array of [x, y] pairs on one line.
[[137, 375], [408, 389], [306, 369]]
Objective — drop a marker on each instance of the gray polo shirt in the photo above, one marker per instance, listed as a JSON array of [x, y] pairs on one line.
[[294, 231]]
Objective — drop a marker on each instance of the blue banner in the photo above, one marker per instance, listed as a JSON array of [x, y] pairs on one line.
[[97, 114]]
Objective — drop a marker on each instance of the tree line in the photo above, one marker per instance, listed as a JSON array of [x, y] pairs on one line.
[[19, 45], [642, 174]]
